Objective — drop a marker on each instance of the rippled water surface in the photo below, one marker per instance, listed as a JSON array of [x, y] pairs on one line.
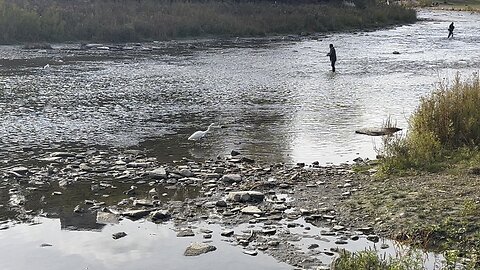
[[276, 100]]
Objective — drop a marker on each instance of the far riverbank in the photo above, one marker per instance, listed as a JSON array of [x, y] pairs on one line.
[[124, 21]]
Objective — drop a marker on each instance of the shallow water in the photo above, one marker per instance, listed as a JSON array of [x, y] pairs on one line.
[[49, 244], [276, 100], [146, 246]]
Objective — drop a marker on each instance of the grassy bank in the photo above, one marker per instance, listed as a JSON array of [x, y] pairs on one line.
[[133, 20], [428, 192], [444, 131]]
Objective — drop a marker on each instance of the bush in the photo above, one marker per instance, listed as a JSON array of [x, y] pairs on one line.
[[445, 123]]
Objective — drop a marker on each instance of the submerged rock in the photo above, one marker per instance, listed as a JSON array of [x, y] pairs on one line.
[[119, 235], [107, 218], [185, 233]]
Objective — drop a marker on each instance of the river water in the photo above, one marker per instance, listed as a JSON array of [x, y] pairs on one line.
[[275, 99]]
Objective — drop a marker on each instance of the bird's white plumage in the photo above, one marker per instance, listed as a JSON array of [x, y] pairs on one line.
[[197, 135]]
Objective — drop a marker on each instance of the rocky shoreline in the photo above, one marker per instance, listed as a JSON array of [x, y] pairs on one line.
[[263, 208]]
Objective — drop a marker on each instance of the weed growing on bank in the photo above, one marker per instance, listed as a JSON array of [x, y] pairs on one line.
[[369, 259], [132, 20], [444, 130]]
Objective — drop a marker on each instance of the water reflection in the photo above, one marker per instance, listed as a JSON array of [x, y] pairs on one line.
[[146, 246], [50, 199]]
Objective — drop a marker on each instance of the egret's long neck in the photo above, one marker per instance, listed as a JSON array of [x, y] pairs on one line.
[[208, 129]]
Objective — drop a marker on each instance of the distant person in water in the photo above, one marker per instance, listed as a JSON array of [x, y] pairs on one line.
[[333, 57], [450, 30]]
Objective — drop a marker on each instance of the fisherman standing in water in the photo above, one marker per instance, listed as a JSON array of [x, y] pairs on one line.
[[450, 30], [333, 57]]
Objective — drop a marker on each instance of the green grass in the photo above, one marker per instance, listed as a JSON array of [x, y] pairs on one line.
[[370, 260], [134, 20], [411, 259], [444, 131]]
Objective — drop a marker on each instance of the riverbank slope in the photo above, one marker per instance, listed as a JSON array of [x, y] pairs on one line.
[[120, 21]]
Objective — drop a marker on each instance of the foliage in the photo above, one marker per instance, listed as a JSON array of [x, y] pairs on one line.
[[445, 127], [133, 20], [369, 259]]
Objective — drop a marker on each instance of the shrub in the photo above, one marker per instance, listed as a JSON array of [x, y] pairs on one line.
[[445, 123]]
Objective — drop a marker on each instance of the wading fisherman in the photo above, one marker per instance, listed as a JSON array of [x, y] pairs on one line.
[[333, 57], [450, 30]]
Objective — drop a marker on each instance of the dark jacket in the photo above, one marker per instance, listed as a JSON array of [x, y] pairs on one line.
[[332, 54], [451, 27]]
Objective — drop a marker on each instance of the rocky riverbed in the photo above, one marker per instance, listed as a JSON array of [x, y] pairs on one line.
[[302, 215]]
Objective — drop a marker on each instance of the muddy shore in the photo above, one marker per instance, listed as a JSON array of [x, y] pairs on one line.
[[263, 208]]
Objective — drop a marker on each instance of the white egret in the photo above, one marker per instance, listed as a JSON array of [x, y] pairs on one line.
[[197, 135]]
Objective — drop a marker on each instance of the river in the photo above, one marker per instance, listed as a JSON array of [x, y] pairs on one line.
[[274, 100]]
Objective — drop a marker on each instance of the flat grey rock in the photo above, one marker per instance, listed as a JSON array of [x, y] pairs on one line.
[[196, 249]]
